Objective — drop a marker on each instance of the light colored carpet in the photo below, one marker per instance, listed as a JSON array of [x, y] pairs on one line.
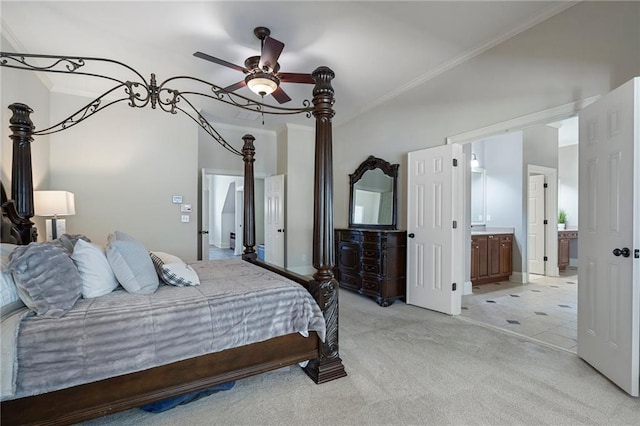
[[410, 366]]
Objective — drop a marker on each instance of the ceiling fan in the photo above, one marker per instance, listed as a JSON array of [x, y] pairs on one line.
[[262, 72]]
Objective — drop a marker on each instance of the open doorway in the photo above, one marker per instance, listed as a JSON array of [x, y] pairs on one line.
[[540, 304], [222, 214]]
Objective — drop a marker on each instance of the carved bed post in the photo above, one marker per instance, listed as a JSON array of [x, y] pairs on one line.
[[21, 173], [249, 231], [328, 366]]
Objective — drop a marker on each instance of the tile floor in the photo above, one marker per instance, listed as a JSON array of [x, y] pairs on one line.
[[544, 309]]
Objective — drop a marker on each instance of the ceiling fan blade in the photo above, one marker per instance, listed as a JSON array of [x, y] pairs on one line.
[[280, 95], [220, 62], [292, 77], [235, 86], [271, 50]]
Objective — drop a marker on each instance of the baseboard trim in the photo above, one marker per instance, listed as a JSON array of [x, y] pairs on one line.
[[467, 288], [519, 277]]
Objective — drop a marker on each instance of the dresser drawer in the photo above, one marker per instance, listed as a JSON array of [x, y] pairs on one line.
[[348, 235], [374, 237], [371, 286], [506, 238], [370, 267], [349, 281], [371, 253]]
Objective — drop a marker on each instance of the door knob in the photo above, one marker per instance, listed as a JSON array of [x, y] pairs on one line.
[[625, 252], [203, 232], [411, 235]]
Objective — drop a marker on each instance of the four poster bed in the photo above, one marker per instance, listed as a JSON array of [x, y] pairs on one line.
[[190, 373]]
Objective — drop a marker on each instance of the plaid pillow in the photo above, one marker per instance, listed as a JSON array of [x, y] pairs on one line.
[[176, 273]]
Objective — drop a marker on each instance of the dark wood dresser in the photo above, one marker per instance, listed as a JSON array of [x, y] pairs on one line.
[[372, 262]]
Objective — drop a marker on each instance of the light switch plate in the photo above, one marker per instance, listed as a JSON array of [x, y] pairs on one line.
[[185, 208], [176, 199], [185, 218]]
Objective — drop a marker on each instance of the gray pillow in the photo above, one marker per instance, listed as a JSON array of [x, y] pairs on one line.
[[131, 264], [48, 282], [68, 241]]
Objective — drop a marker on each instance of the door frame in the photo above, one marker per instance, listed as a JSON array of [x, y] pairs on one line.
[[550, 208], [550, 115], [204, 172]]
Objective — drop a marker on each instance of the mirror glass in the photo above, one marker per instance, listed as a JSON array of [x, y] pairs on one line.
[[478, 196], [373, 195]]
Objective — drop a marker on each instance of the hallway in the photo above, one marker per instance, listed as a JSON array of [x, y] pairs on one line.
[[545, 309], [221, 253]]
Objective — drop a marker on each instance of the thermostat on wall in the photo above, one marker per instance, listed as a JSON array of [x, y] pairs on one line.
[[176, 199]]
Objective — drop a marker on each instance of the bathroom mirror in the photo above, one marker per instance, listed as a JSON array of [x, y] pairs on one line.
[[373, 195], [478, 196]]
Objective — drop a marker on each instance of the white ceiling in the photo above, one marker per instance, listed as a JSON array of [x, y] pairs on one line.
[[378, 49]]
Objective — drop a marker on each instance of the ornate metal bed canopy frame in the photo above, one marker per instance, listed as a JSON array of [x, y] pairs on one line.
[[139, 93]]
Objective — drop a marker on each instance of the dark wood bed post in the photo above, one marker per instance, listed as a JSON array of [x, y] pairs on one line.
[[249, 211], [21, 173], [324, 287]]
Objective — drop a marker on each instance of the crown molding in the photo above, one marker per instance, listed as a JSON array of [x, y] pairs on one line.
[[7, 33]]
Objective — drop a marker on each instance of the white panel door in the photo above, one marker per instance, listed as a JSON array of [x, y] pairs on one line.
[[203, 241], [535, 227], [239, 220], [609, 217], [274, 220], [435, 247]]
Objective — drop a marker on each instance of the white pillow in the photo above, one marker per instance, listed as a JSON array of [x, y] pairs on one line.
[[167, 258], [173, 271], [131, 264], [96, 273]]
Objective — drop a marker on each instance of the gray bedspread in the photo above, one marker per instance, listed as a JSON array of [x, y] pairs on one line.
[[236, 304]]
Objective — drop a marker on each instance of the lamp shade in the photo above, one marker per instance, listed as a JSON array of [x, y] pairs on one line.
[[261, 83], [54, 203]]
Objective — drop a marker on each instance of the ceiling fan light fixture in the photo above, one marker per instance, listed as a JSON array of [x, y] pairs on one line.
[[261, 83]]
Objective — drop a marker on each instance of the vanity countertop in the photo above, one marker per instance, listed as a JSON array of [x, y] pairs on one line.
[[492, 230]]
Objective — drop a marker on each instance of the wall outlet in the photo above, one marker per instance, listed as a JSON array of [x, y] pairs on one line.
[[488, 218], [184, 218]]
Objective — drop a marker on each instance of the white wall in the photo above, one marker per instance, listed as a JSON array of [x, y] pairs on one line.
[[212, 156], [296, 161], [124, 164], [568, 183], [589, 49], [503, 161], [541, 146]]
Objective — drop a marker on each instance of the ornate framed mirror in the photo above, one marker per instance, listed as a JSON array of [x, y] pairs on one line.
[[373, 195]]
